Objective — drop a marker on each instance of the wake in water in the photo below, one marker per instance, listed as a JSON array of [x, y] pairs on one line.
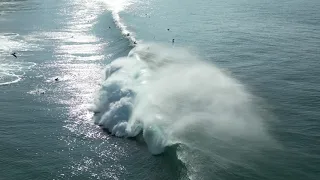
[[172, 97]]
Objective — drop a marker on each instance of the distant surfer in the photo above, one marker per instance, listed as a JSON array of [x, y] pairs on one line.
[[14, 54], [109, 27], [172, 41], [135, 42], [128, 34], [168, 29], [56, 79], [96, 112]]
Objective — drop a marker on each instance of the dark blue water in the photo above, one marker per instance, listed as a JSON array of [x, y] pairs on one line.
[[241, 101]]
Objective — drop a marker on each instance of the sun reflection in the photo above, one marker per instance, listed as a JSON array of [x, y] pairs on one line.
[[117, 5], [79, 54]]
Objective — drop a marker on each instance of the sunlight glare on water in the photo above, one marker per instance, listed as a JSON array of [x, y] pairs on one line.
[[78, 53], [118, 5]]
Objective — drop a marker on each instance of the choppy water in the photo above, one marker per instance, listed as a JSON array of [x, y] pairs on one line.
[[236, 96]]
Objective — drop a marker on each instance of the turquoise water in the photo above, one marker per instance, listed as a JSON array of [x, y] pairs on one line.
[[236, 96]]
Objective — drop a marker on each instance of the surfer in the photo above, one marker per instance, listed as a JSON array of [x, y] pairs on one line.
[[14, 54], [56, 79], [172, 41]]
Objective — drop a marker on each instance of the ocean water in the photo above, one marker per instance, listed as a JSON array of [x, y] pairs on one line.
[[99, 90]]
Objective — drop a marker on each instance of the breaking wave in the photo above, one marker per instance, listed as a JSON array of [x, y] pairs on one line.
[[170, 96]]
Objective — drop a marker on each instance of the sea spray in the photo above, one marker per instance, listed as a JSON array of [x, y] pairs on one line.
[[175, 91]]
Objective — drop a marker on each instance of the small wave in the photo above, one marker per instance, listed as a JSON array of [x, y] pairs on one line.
[[177, 102], [12, 73], [12, 70], [8, 78]]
